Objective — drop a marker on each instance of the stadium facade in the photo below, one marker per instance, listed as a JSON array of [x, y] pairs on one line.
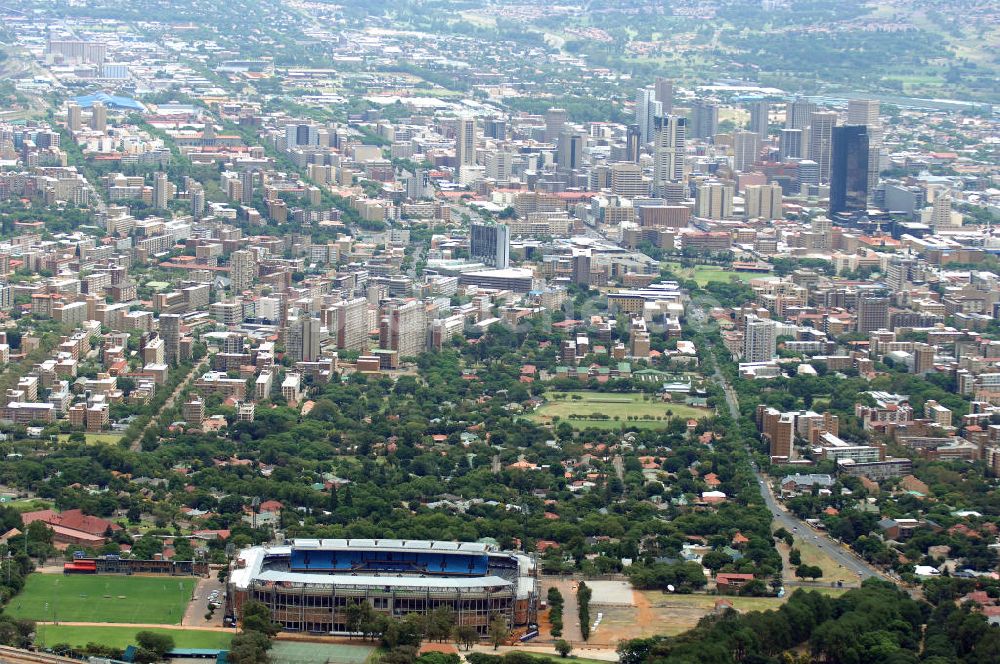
[[308, 583]]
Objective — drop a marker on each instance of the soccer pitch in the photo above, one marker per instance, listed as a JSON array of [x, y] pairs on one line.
[[112, 598]]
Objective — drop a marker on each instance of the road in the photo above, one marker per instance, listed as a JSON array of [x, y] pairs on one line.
[[168, 404], [835, 550]]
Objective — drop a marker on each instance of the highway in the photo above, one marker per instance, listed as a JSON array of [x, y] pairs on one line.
[[835, 550]]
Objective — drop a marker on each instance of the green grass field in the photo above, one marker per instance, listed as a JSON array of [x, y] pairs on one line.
[[95, 438], [122, 637], [705, 274], [612, 404], [117, 599]]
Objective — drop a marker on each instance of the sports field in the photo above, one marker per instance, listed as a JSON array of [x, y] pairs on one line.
[[299, 652], [613, 404], [115, 599], [704, 274], [122, 637]]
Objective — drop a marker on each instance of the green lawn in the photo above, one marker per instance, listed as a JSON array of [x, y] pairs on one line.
[[571, 658], [705, 274], [122, 637], [104, 598], [95, 438], [612, 404]]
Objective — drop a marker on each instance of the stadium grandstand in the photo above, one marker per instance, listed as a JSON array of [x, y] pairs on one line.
[[309, 583]]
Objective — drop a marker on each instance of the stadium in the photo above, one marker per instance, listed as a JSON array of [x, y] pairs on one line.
[[309, 583]]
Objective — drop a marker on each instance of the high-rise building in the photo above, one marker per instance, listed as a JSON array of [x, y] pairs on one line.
[[759, 111], [351, 324], [170, 331], [759, 342], [866, 112], [495, 128], [490, 243], [465, 142], [555, 118], [499, 164], [197, 194], [647, 108], [798, 114], [941, 214], [403, 328], [873, 312], [633, 143], [74, 117], [746, 150], [98, 117], [626, 180], [668, 151], [849, 169], [714, 200], [242, 270], [570, 154], [303, 339], [301, 134], [790, 144], [581, 267], [863, 112], [246, 187], [763, 201], [821, 126], [161, 188], [808, 172], [704, 119], [664, 89]]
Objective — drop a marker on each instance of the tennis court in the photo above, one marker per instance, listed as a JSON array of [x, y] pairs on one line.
[[297, 652]]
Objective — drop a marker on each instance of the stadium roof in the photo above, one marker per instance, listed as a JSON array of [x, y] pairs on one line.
[[276, 576], [111, 101], [392, 545]]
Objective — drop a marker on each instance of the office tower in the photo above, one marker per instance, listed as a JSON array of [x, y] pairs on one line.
[[759, 342], [417, 183], [822, 228], [668, 151], [704, 119], [495, 128], [242, 270], [808, 172], [581, 267], [351, 324], [301, 134], [759, 118], [821, 126], [873, 312], [746, 150], [664, 89], [161, 188], [170, 331], [849, 169], [940, 213], [98, 117], [403, 328], [763, 201], [923, 359], [790, 144], [498, 166], [246, 187], [74, 117], [465, 142], [633, 143], [490, 243], [798, 114], [555, 118], [626, 180], [303, 339], [866, 112], [647, 108], [197, 202], [714, 200], [570, 153], [863, 112]]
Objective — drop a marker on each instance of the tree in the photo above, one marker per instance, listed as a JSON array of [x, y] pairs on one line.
[[795, 557], [257, 618], [498, 630], [465, 635], [249, 648], [563, 647], [152, 646]]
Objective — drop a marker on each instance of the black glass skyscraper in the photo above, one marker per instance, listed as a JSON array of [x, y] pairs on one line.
[[849, 169]]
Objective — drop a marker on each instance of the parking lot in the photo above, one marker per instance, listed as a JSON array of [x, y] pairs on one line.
[[203, 594]]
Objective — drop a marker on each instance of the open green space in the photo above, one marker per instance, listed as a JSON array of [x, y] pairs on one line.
[[299, 652], [95, 438], [815, 556], [571, 658], [102, 598], [122, 637], [705, 274], [587, 407]]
